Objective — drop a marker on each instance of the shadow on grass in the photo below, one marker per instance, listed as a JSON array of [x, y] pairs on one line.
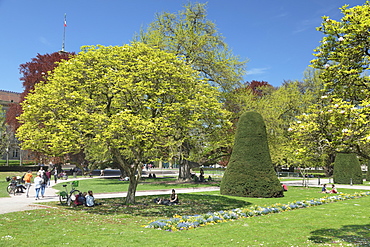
[[359, 235], [190, 204]]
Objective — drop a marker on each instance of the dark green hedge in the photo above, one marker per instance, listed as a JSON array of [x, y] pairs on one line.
[[250, 172], [347, 167]]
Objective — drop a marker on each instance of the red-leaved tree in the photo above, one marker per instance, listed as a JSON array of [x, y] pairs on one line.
[[33, 72]]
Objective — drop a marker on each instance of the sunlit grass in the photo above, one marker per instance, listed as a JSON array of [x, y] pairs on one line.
[[115, 224]]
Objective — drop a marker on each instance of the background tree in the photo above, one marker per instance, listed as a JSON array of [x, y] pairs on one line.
[[194, 39], [250, 172], [278, 107], [339, 122], [130, 101], [33, 72]]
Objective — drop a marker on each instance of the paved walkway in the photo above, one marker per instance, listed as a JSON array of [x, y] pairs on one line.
[[20, 202]]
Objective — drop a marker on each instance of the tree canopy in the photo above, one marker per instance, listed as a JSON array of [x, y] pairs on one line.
[[132, 101], [339, 121], [189, 35], [33, 72]]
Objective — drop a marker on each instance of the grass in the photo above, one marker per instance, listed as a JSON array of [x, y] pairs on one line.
[[114, 185], [115, 224]]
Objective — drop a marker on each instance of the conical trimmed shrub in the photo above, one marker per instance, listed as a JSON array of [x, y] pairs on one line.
[[347, 167], [250, 172]]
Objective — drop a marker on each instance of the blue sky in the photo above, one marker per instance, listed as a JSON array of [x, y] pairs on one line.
[[276, 37]]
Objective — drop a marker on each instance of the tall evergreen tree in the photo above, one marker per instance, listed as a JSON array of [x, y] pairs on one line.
[[347, 169], [250, 172]]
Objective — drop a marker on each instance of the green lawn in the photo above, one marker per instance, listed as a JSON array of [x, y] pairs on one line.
[[343, 223], [114, 185]]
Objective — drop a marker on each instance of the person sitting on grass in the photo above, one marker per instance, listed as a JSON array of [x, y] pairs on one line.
[[323, 189], [174, 198], [285, 188], [90, 200], [162, 201], [333, 189]]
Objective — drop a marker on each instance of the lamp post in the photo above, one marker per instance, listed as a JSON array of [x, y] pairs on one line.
[[7, 156]]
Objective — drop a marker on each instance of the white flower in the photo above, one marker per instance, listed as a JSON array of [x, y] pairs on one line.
[[336, 105], [324, 96], [326, 66], [299, 122], [327, 20], [342, 111], [330, 110], [344, 130], [290, 129], [340, 39]]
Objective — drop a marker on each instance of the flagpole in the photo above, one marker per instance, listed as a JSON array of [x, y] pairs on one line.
[[64, 32]]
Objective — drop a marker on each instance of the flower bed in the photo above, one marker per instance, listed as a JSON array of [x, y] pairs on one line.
[[179, 222]]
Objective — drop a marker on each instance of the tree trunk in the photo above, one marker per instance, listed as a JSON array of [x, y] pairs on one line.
[[133, 170], [184, 169], [329, 168], [130, 198]]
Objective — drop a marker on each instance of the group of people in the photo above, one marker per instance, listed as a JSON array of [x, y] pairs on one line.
[[325, 190], [174, 199], [86, 199], [41, 181]]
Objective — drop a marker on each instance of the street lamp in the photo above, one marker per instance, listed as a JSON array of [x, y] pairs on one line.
[[7, 156]]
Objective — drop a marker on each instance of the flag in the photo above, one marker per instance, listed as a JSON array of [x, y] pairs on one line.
[[65, 21]]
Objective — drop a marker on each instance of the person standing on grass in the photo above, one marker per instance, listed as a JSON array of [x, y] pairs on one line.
[[38, 182], [27, 180]]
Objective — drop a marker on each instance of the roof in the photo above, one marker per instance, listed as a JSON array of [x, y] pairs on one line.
[[8, 96]]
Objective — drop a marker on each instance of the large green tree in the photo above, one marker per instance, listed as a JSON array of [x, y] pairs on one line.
[[189, 35], [192, 37], [131, 101], [339, 122]]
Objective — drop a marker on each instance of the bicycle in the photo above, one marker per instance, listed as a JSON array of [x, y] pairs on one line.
[[12, 188], [67, 198]]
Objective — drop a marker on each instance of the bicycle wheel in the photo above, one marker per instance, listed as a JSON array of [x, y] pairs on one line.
[[63, 197], [11, 189], [72, 197]]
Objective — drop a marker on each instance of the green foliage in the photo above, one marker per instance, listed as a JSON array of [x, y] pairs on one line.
[[189, 35], [132, 103], [194, 39], [250, 172], [343, 59], [278, 108], [347, 167]]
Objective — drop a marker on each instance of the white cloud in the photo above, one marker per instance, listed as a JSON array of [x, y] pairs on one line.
[[257, 71]]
